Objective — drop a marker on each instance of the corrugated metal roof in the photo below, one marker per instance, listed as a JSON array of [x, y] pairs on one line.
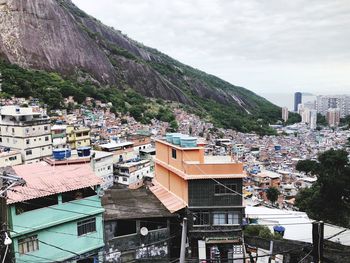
[[168, 199], [44, 180]]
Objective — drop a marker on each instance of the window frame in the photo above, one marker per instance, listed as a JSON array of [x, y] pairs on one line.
[[227, 221], [86, 226], [199, 218], [173, 153], [28, 244]]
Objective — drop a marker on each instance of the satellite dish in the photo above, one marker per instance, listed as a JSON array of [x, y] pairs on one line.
[[144, 231]]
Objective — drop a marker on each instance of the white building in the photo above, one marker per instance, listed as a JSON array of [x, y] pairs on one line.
[[10, 158], [59, 136], [26, 130], [285, 114], [342, 102], [313, 119], [102, 165], [132, 173]]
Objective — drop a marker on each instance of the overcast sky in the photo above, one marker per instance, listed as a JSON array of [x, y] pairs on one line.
[[272, 46]]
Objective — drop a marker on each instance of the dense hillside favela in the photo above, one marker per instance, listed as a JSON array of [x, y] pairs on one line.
[[112, 151]]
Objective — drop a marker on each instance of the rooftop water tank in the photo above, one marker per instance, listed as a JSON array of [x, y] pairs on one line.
[[84, 151], [176, 138], [278, 147], [169, 137], [60, 154], [279, 230], [188, 142]]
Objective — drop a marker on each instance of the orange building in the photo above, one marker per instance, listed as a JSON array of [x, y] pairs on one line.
[[205, 189]]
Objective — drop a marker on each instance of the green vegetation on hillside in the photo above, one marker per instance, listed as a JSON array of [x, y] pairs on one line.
[[51, 88], [329, 197]]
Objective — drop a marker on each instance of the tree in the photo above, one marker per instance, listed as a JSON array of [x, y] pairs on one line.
[[306, 166], [272, 194], [329, 197], [174, 125]]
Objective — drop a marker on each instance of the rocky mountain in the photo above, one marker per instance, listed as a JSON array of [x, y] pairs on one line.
[[56, 36]]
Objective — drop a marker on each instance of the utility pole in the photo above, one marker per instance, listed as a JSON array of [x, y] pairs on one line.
[[183, 241], [6, 182], [317, 241]]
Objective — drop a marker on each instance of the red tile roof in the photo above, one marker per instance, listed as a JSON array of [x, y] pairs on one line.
[[44, 180], [168, 199]]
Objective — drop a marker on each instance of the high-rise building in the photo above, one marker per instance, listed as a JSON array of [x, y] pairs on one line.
[[285, 114], [297, 100], [26, 130], [305, 114], [313, 119], [333, 117], [342, 102]]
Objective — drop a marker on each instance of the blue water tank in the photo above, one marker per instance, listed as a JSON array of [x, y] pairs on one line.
[[84, 151], [68, 153], [278, 147], [59, 154], [279, 230], [188, 142]]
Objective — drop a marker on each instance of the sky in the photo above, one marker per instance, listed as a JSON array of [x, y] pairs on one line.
[[270, 47]]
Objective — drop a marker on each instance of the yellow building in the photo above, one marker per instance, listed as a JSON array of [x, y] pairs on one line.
[[78, 136]]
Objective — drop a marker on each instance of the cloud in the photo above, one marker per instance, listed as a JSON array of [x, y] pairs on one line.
[[266, 46]]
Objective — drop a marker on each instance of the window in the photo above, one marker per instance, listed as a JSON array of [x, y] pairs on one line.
[[27, 141], [27, 130], [226, 218], [12, 158], [225, 189], [201, 218], [13, 130], [46, 128], [29, 152], [219, 219], [86, 226], [0, 139], [173, 153], [28, 244], [125, 179]]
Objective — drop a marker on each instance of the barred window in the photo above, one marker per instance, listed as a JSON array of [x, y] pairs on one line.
[[28, 244], [86, 226], [226, 218], [201, 218]]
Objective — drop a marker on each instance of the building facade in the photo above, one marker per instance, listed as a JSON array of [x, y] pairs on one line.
[[333, 117], [57, 215], [341, 102], [59, 136], [132, 173], [102, 165], [285, 114], [78, 136], [210, 188], [297, 100], [26, 130]]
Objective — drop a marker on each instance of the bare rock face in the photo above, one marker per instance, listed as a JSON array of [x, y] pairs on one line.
[[55, 35], [40, 34]]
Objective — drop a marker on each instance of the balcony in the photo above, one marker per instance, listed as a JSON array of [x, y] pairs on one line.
[[133, 241]]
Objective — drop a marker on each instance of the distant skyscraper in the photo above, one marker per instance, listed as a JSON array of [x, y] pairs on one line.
[[297, 100], [342, 102], [333, 117], [285, 114], [313, 119]]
